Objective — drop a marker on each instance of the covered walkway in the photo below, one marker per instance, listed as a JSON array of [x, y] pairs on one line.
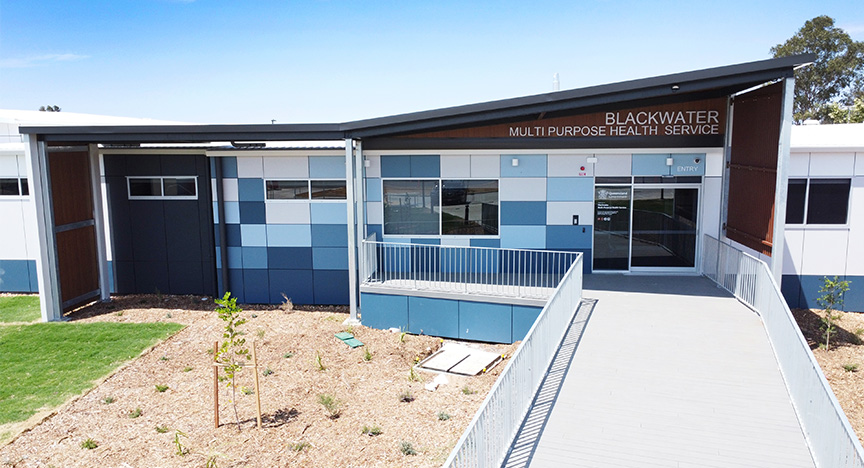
[[670, 372]]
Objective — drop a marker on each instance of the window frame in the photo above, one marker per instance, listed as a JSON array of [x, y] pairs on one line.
[[22, 181], [805, 223], [162, 195], [308, 190]]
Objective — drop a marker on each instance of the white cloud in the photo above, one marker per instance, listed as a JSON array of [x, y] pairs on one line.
[[40, 60], [853, 28]]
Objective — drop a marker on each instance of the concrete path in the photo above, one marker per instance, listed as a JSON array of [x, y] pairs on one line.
[[670, 372]]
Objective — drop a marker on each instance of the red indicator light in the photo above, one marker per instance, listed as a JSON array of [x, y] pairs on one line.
[[582, 168]]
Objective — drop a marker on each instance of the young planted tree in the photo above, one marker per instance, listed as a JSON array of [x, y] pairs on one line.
[[232, 351], [831, 299]]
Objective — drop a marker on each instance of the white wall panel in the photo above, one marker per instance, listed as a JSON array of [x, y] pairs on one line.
[[374, 213], [859, 164], [455, 241], [374, 169], [793, 253], [294, 212], [611, 165], [250, 167], [855, 256], [22, 165], [824, 252], [522, 189], [456, 166], [8, 165], [799, 164], [289, 167], [13, 244], [832, 164], [569, 165], [714, 163], [229, 190], [485, 165], [561, 213], [711, 195]]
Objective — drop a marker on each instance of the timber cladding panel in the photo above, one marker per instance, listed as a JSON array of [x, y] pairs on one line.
[[756, 124]]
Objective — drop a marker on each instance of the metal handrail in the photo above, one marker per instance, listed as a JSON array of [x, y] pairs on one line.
[[829, 435], [484, 443]]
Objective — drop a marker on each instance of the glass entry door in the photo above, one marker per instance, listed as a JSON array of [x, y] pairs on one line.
[[611, 228]]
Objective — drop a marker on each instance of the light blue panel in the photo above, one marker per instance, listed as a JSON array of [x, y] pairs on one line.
[[326, 167], [649, 165], [330, 258], [568, 237], [329, 213], [530, 165], [383, 311], [688, 164], [395, 166], [249, 190], [289, 235], [253, 235], [14, 276], [523, 318], [34, 280], [254, 257], [570, 189], [373, 189], [426, 241], [524, 213], [435, 317], [523, 237], [232, 212], [485, 322], [215, 212], [235, 257], [218, 258], [426, 166]]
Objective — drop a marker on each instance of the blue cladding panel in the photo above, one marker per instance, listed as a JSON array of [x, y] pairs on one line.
[[373, 189], [532, 213], [790, 286], [256, 286], [686, 165], [215, 212], [384, 311], [254, 257], [253, 235], [232, 235], [329, 213], [853, 300], [523, 319], [296, 284], [395, 166], [229, 167], [235, 284], [34, 279], [218, 258], [523, 237], [330, 258], [485, 322], [810, 286], [327, 167], [250, 190], [251, 213], [437, 317], [470, 261], [232, 212], [377, 229], [426, 241], [329, 235], [235, 257], [289, 235], [494, 243], [568, 237], [289, 258], [570, 189], [426, 166], [530, 165], [14, 276], [331, 286], [649, 165]]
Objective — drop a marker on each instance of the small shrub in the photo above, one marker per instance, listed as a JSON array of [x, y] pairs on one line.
[[168, 315], [161, 388], [267, 371], [179, 449], [413, 376], [406, 396], [162, 429], [319, 361], [164, 358], [407, 448], [210, 351], [371, 431], [831, 300], [248, 390], [108, 400], [187, 369], [288, 355], [299, 446], [134, 414], [402, 337], [287, 305], [850, 367], [468, 391], [367, 354], [89, 444], [331, 404], [442, 416]]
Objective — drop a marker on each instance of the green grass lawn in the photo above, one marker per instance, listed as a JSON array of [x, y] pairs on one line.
[[19, 309], [43, 364]]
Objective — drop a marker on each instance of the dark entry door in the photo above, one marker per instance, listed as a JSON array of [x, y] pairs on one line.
[[664, 227], [162, 224], [611, 228]]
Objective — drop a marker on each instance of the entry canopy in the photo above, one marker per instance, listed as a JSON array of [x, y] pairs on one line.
[[704, 84]]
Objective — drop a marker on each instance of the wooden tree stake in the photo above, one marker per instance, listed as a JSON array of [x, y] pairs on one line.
[[257, 388], [216, 384]]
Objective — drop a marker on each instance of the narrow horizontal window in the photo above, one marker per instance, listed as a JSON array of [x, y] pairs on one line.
[[287, 189], [328, 190], [168, 188], [9, 187], [145, 187], [179, 187], [828, 201]]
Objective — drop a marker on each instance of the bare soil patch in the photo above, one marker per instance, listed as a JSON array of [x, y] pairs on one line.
[[297, 429], [847, 349]]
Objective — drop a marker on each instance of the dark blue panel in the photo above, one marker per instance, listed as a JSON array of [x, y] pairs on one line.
[[221, 291], [143, 166], [425, 166], [256, 286], [229, 167], [790, 286], [34, 280], [296, 284], [148, 232], [436, 317], [14, 276], [568, 237], [217, 239], [810, 286], [289, 258], [235, 284], [212, 162], [377, 229], [521, 213], [383, 311], [121, 223], [523, 319], [185, 278], [329, 235], [494, 243], [151, 276], [183, 225], [115, 165], [331, 286], [252, 213], [481, 321], [124, 273], [250, 190], [232, 234], [177, 165], [395, 166], [425, 258], [853, 300]]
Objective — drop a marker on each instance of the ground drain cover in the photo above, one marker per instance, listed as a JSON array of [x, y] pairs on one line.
[[459, 359]]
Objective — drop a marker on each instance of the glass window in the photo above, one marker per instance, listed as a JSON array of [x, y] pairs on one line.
[[25, 187], [145, 187], [828, 201], [411, 207], [177, 187], [797, 196], [9, 187], [469, 207], [287, 189], [328, 189]]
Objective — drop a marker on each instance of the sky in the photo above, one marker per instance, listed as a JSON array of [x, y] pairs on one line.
[[255, 61]]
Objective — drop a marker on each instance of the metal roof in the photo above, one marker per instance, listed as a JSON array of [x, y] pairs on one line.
[[711, 82]]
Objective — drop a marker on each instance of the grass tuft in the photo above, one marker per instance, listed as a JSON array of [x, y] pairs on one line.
[[89, 444], [407, 448], [850, 367], [161, 388], [135, 414], [442, 416]]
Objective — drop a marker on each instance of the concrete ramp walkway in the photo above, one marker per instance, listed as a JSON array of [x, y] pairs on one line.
[[670, 372]]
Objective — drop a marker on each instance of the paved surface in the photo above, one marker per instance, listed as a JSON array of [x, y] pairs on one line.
[[670, 372]]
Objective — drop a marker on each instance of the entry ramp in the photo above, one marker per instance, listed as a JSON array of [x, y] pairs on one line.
[[671, 372]]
